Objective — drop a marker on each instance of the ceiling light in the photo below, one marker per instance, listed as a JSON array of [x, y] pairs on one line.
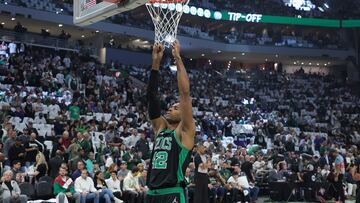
[[329, 63], [276, 56], [61, 10], [219, 51], [234, 57], [318, 64], [266, 59], [302, 63], [47, 30], [294, 63], [202, 54], [229, 61], [13, 19], [209, 61], [2, 23], [6, 3], [97, 31], [57, 12], [82, 36], [190, 59], [243, 54], [310, 64], [60, 25], [325, 64]]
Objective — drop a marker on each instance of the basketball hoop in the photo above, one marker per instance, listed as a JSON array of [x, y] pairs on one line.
[[166, 16]]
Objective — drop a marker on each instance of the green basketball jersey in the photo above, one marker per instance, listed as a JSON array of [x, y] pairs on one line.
[[169, 160]]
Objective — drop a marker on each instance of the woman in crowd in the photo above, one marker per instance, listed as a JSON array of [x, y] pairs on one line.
[[40, 167], [100, 185]]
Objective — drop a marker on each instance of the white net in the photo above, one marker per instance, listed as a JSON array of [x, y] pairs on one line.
[[166, 16]]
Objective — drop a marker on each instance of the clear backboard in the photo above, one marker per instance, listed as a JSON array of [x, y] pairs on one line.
[[87, 12]]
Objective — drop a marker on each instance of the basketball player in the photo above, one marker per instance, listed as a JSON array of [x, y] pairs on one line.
[[174, 133]]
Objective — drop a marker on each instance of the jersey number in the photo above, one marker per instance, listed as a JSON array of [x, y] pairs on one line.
[[160, 160]]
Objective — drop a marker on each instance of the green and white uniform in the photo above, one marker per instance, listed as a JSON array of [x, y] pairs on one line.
[[169, 160]]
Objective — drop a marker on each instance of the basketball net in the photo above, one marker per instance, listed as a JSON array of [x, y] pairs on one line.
[[166, 16]]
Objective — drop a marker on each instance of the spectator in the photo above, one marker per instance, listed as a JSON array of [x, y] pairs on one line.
[[202, 163], [64, 187], [84, 185], [55, 164], [113, 183], [78, 172], [40, 167], [132, 188], [123, 172], [17, 151], [10, 189], [100, 185], [142, 145], [16, 169]]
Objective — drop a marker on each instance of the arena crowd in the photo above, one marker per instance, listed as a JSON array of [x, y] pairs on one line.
[[82, 127]]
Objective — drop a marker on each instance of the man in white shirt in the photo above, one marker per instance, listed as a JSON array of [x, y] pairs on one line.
[[40, 119], [132, 139], [132, 187], [12, 48], [84, 185], [54, 110]]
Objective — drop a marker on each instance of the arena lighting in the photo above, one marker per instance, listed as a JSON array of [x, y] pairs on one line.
[[276, 56], [318, 64], [202, 54], [326, 5], [294, 63], [321, 9], [2, 23], [6, 3], [243, 54], [310, 64], [302, 63], [13, 19], [82, 36], [234, 57], [325, 64], [60, 25], [190, 59], [219, 51], [97, 31], [47, 30]]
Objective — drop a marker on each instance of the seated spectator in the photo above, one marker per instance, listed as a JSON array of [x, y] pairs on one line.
[[78, 171], [216, 186], [123, 172], [16, 170], [10, 189], [64, 187], [132, 188], [113, 183], [84, 185], [113, 167], [100, 185]]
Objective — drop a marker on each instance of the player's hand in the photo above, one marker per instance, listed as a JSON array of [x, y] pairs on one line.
[[157, 54], [176, 50]]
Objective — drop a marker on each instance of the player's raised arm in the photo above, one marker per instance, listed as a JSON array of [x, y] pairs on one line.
[[152, 95], [187, 125]]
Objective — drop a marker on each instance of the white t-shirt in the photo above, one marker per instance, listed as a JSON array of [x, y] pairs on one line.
[[12, 48], [53, 111]]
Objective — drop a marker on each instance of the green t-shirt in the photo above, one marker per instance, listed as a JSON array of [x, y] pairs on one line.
[[225, 173], [74, 112]]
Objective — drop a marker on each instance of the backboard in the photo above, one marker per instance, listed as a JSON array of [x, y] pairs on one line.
[[87, 12]]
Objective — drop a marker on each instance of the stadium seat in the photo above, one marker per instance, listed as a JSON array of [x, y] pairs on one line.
[[44, 190], [27, 189], [46, 179]]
